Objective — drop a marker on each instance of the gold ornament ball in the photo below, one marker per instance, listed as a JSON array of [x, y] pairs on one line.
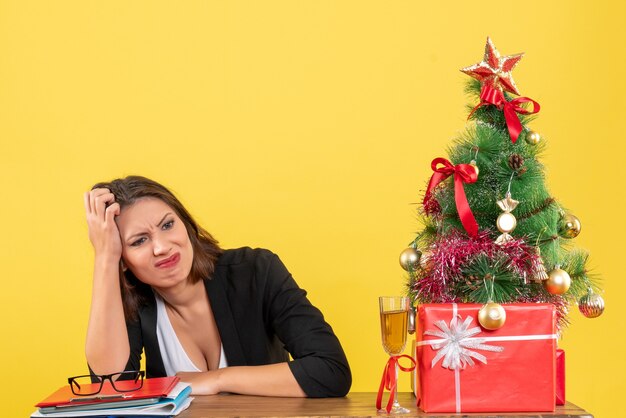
[[569, 226], [506, 222], [558, 282], [410, 259], [492, 316], [591, 305], [533, 137], [473, 164]]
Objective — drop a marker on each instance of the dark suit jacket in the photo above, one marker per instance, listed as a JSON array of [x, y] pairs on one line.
[[262, 315]]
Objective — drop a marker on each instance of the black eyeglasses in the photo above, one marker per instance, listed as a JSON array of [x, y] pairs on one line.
[[91, 384]]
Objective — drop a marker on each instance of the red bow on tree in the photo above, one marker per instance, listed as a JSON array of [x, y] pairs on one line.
[[390, 380], [491, 95], [463, 173]]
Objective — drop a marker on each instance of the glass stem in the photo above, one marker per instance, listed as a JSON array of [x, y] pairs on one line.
[[396, 404]]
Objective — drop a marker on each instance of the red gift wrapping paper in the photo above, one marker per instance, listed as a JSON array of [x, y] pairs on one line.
[[519, 378], [560, 377]]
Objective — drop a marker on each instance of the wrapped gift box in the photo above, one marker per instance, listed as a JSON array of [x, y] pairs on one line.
[[560, 377], [518, 373]]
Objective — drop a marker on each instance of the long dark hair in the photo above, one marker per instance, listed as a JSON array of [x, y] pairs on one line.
[[206, 250]]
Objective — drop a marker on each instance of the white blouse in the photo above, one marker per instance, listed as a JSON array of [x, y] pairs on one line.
[[175, 359]]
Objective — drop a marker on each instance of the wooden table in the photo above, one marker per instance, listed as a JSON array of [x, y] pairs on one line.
[[356, 404]]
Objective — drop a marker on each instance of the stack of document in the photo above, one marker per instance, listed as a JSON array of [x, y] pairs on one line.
[[161, 396]]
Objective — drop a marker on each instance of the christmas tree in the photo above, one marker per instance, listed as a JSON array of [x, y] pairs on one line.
[[492, 232]]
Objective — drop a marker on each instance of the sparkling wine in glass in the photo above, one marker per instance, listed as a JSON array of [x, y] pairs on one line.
[[394, 314]]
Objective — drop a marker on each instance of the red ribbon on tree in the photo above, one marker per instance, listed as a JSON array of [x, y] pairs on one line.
[[390, 381], [493, 96], [463, 173]]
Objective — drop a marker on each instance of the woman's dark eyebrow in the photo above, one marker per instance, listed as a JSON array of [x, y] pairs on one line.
[[162, 220], [141, 233]]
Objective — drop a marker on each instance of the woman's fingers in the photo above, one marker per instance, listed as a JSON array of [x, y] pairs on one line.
[[102, 201], [93, 194], [112, 211], [98, 201], [102, 209], [87, 202], [92, 203]]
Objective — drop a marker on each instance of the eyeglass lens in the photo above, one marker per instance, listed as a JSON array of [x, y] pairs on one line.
[[120, 382]]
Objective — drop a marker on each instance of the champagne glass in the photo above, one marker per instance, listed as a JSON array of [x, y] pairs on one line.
[[394, 313]]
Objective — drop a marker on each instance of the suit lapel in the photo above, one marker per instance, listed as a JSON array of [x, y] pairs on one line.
[[220, 305], [150, 341]]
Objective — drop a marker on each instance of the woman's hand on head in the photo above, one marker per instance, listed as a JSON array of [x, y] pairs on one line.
[[101, 209]]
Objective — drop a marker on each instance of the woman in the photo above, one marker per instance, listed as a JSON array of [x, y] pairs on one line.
[[222, 320]]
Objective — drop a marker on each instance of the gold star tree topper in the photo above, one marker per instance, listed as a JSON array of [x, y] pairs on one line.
[[495, 70]]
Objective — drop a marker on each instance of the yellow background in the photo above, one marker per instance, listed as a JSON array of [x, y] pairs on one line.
[[304, 127]]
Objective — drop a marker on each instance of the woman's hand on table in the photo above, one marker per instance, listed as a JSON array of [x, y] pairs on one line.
[[267, 380], [202, 383]]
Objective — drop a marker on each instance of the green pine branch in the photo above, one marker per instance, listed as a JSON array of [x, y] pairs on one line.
[[486, 279]]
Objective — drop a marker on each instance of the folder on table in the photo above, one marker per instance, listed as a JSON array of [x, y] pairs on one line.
[[152, 388], [158, 397]]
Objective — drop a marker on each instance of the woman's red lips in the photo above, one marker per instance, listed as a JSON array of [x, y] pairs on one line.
[[169, 261]]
